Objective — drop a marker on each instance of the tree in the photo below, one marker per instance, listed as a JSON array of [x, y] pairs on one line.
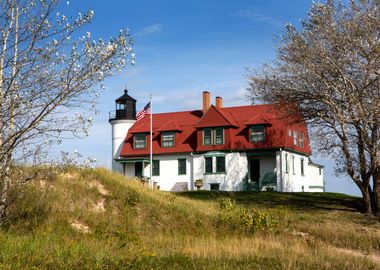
[[45, 74], [328, 70]]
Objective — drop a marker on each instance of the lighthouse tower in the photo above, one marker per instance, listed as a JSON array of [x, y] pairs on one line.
[[121, 121]]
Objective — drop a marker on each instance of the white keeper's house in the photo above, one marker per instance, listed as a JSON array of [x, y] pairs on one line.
[[229, 148]]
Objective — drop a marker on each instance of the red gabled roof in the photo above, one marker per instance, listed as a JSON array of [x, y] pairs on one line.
[[236, 120], [216, 117], [171, 125], [258, 119]]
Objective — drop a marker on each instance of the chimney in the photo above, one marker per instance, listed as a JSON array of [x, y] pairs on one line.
[[206, 101], [219, 102]]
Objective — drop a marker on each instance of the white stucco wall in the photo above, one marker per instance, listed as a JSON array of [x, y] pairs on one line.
[[231, 180], [236, 170], [169, 171], [294, 181]]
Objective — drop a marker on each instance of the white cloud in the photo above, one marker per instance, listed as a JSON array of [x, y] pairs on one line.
[[257, 17], [150, 29]]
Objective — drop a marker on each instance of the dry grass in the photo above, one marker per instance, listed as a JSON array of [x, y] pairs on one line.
[[94, 219]]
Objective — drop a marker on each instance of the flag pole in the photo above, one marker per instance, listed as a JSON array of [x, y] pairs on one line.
[[151, 147]]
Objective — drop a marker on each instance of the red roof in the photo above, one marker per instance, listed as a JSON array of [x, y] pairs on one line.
[[236, 121], [258, 119]]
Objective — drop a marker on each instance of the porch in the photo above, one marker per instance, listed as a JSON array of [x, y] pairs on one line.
[[262, 171]]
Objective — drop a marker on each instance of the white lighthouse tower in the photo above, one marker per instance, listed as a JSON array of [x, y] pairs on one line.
[[121, 120]]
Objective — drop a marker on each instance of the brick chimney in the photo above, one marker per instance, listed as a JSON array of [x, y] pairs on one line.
[[206, 101], [219, 102]]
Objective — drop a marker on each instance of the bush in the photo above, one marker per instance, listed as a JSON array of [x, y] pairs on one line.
[[243, 219]]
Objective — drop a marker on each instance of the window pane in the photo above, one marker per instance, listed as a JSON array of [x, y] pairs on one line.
[[208, 164], [295, 137], [214, 186], [168, 139], [219, 136], [286, 163], [301, 139], [140, 141], [293, 161], [257, 133], [182, 166], [156, 168], [220, 164], [207, 137]]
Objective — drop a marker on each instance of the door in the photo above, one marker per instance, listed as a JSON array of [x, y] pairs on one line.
[[254, 170], [138, 169]]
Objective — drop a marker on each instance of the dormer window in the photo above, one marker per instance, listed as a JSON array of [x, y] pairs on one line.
[[213, 136], [207, 136], [168, 139], [257, 133], [139, 141], [219, 136], [302, 139]]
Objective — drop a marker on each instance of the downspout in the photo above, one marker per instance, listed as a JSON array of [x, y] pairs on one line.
[[281, 184], [192, 171]]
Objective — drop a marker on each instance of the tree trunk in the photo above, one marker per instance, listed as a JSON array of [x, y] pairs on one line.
[[376, 192], [4, 193], [366, 193]]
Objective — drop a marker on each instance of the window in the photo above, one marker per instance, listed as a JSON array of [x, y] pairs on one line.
[[219, 136], [156, 168], [168, 139], [294, 171], [301, 139], [208, 164], [220, 164], [257, 133], [182, 166], [214, 186], [286, 163], [289, 132], [213, 136], [320, 171], [140, 141], [207, 136], [295, 134], [215, 164], [302, 167]]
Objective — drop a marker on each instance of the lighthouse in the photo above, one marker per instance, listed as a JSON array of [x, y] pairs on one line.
[[121, 120]]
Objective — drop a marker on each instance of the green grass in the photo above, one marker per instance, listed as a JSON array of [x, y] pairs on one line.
[[126, 226]]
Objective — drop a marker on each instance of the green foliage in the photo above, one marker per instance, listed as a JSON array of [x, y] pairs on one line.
[[244, 219]]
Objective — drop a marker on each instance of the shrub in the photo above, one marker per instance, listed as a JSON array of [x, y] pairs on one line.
[[243, 219]]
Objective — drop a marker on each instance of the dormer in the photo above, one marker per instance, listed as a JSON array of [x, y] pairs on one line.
[[257, 128], [168, 133]]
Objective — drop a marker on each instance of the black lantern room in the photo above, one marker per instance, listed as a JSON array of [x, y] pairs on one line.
[[125, 108]]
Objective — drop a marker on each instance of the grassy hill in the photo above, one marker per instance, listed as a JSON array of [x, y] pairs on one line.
[[94, 219]]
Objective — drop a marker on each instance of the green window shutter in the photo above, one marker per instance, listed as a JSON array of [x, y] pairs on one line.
[[208, 164], [182, 166], [220, 164], [286, 163], [156, 168]]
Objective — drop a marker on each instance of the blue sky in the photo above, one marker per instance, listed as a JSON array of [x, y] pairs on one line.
[[184, 48]]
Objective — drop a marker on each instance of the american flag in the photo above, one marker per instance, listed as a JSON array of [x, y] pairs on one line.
[[146, 110]]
